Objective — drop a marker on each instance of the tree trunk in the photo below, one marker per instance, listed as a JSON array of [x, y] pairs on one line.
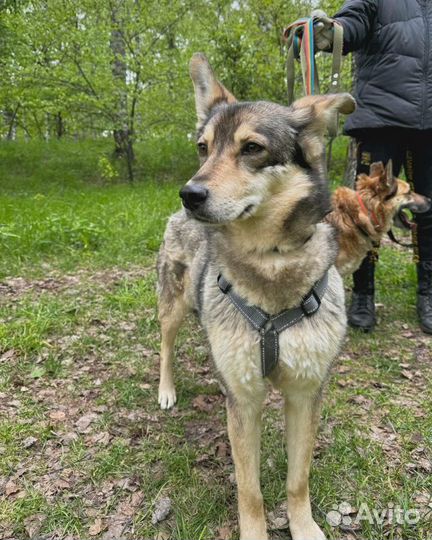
[[60, 126], [10, 119], [123, 136]]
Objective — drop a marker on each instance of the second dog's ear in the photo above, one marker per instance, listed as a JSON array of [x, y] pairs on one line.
[[385, 174], [376, 169], [389, 173], [209, 92]]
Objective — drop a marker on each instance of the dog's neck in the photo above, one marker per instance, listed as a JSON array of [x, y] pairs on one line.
[[271, 266]]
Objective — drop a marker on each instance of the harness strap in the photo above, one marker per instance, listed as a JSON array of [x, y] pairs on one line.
[[270, 326]]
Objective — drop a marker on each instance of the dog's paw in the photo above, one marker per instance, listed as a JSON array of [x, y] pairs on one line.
[[306, 531], [167, 398]]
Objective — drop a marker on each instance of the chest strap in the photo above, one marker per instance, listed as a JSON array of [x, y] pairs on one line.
[[270, 326]]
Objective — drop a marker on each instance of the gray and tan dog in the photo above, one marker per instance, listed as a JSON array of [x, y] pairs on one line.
[[253, 213]]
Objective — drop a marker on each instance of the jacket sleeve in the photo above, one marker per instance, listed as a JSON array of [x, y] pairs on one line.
[[356, 17]]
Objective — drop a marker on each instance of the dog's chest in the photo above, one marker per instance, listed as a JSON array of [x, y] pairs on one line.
[[306, 351]]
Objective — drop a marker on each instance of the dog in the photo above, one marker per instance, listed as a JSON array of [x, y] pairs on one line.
[[362, 217], [249, 242]]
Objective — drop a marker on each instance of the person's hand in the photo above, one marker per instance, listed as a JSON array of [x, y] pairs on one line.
[[323, 30]]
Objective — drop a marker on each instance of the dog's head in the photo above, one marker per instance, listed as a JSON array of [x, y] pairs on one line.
[[251, 151], [387, 197]]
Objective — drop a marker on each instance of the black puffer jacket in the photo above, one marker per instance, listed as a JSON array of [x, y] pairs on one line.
[[394, 56]]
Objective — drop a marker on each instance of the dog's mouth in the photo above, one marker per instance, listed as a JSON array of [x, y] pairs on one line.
[[403, 220], [404, 217], [200, 217], [247, 212]]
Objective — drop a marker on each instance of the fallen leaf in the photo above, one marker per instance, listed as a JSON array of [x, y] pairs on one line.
[[407, 374], [8, 355], [29, 441], [363, 401], [162, 509], [202, 403], [11, 488], [278, 519], [115, 529], [343, 369], [59, 416], [84, 422], [222, 449], [129, 507], [223, 533], [96, 527], [102, 438], [162, 535], [33, 524]]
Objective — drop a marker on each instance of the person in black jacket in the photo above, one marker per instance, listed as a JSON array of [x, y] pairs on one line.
[[393, 43]]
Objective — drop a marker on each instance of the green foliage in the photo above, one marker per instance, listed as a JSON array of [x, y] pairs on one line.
[[106, 169], [84, 69]]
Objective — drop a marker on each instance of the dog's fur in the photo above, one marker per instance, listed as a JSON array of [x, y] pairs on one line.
[[362, 228], [261, 225]]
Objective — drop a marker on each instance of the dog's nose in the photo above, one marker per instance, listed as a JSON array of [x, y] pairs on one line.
[[193, 196]]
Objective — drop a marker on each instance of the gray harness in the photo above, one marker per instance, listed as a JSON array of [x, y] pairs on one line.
[[270, 326]]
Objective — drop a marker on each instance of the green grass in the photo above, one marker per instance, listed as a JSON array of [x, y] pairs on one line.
[[56, 207], [79, 337]]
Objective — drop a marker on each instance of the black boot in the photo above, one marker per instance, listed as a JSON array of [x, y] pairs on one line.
[[424, 295], [361, 313]]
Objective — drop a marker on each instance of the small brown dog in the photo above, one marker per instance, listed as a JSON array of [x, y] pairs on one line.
[[364, 216]]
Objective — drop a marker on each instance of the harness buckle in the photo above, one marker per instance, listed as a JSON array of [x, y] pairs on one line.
[[311, 303], [224, 285]]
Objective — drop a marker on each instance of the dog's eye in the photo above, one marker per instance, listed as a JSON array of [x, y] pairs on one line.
[[202, 149], [251, 148]]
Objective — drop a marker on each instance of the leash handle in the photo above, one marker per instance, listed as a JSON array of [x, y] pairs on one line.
[[393, 238], [336, 71], [300, 42]]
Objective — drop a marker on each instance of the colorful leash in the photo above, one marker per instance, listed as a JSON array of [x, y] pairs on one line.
[[300, 41], [299, 36]]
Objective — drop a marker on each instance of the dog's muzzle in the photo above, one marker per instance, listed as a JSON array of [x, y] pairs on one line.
[[193, 196], [421, 206]]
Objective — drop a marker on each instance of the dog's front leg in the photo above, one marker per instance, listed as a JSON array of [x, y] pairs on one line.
[[170, 318], [244, 429], [301, 418]]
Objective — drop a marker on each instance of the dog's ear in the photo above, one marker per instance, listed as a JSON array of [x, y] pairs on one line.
[[208, 90], [317, 112], [389, 178], [377, 169], [313, 115], [385, 174]]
